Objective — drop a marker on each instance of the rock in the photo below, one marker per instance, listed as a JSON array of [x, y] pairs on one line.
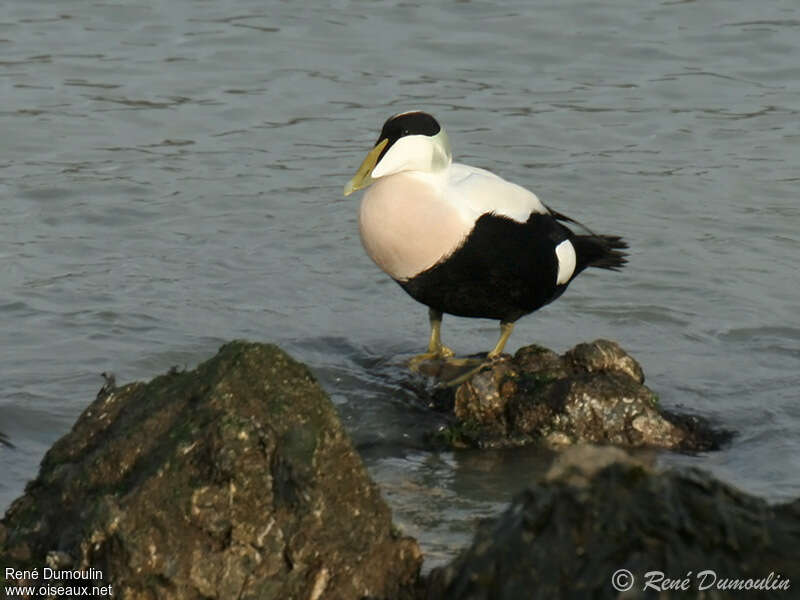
[[599, 511], [235, 480], [594, 393]]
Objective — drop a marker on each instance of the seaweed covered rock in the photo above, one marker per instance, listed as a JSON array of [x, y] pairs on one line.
[[594, 393], [675, 534], [235, 480]]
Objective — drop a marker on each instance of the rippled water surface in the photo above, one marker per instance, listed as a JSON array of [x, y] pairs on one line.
[[171, 176]]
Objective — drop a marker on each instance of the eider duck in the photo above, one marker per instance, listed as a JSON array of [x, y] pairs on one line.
[[462, 240]]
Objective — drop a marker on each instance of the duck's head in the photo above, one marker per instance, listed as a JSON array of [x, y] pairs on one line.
[[410, 141]]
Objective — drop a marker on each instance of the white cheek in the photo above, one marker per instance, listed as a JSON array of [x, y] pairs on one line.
[[409, 153], [565, 254]]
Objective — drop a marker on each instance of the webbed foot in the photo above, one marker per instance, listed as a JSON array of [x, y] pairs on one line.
[[440, 353], [478, 365], [450, 371]]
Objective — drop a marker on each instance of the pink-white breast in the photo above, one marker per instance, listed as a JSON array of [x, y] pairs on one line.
[[407, 225]]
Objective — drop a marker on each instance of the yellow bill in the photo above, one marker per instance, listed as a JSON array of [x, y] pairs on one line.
[[362, 177]]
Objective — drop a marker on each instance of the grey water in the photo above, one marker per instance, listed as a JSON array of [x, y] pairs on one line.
[[171, 176]]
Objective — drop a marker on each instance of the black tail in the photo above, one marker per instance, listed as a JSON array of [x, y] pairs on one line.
[[592, 250], [601, 251]]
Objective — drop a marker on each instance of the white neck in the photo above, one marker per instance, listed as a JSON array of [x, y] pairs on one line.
[[426, 154]]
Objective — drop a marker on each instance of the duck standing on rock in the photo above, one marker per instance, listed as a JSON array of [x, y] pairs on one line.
[[462, 240]]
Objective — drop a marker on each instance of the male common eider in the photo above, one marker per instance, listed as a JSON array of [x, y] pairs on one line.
[[462, 240]]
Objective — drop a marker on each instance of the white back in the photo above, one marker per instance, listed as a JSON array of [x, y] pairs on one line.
[[478, 191]]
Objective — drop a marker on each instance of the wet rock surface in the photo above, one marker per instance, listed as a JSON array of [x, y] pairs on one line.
[[235, 480], [600, 510], [593, 393]]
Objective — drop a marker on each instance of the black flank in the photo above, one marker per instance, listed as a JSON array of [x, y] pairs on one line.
[[506, 269]]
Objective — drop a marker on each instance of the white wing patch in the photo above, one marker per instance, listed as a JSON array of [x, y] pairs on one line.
[[476, 192], [565, 254]]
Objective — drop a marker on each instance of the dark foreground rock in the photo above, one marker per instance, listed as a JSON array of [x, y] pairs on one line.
[[598, 511], [594, 393], [235, 480]]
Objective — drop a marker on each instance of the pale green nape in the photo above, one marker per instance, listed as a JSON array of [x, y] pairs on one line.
[[442, 155]]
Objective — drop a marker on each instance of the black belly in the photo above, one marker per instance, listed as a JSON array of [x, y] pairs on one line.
[[503, 270]]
